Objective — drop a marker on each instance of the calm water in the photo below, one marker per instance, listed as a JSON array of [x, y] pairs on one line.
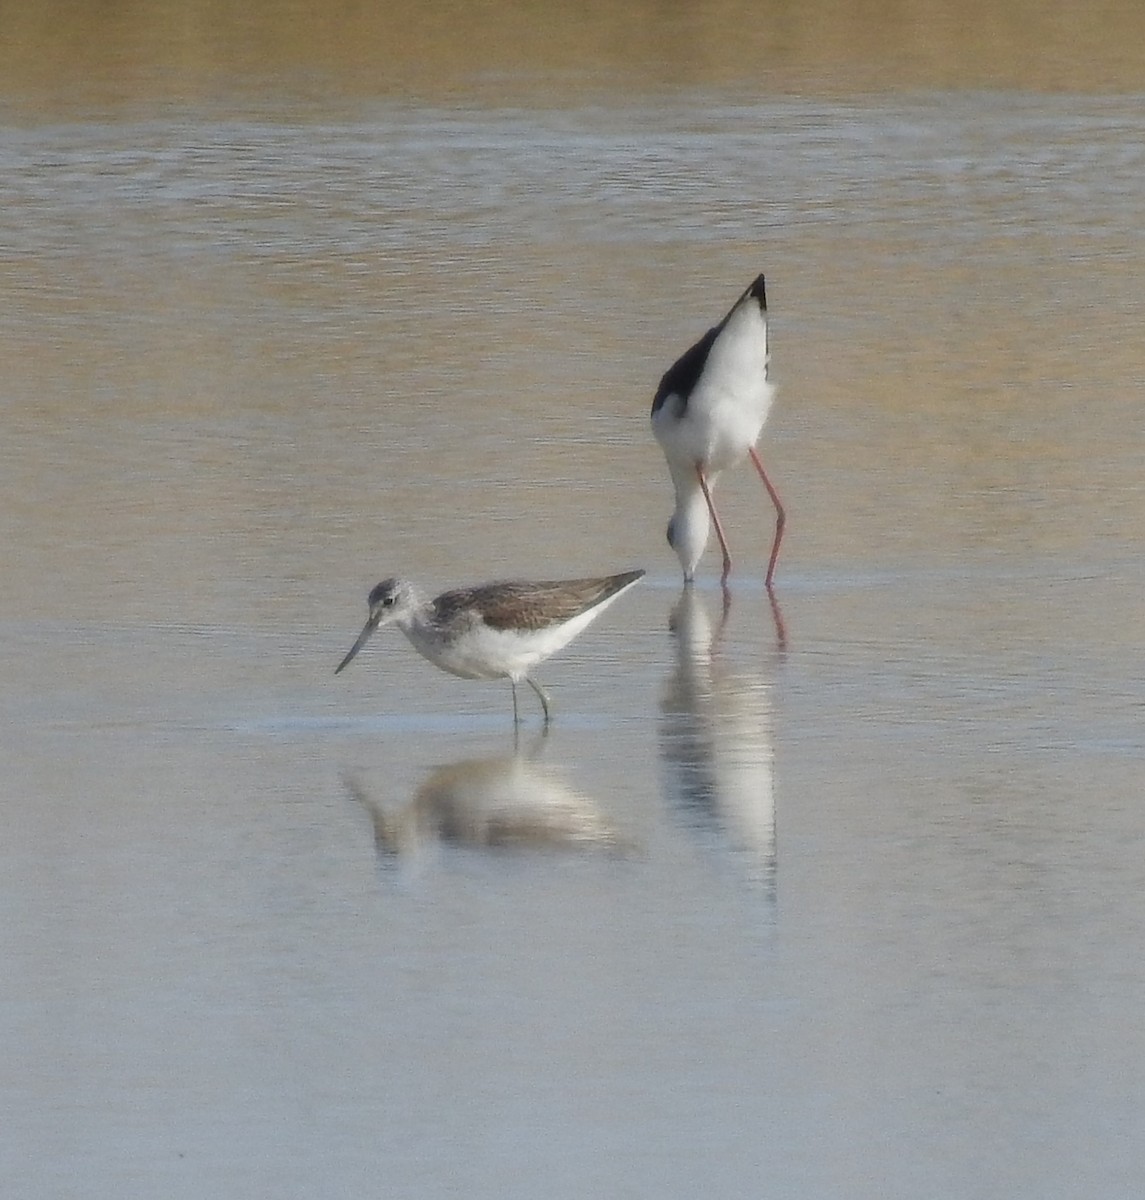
[[845, 899]]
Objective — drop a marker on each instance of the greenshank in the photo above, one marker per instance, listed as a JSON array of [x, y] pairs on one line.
[[494, 630]]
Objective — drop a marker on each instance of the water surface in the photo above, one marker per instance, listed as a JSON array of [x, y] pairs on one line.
[[836, 898]]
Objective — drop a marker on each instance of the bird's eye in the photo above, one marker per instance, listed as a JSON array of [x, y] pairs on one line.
[[387, 601]]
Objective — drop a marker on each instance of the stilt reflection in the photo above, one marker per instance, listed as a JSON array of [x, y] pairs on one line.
[[715, 742]]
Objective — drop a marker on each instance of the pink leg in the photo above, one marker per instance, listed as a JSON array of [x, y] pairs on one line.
[[780, 515], [777, 617], [716, 522]]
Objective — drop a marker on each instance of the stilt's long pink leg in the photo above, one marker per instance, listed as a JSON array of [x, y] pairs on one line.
[[716, 522], [777, 617], [780, 515]]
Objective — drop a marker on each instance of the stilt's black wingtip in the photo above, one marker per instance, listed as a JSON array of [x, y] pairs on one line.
[[758, 292]]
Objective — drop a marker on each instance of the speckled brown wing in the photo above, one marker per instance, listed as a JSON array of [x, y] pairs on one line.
[[523, 605]]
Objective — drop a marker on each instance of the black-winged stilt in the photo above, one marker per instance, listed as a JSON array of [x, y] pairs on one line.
[[707, 416]]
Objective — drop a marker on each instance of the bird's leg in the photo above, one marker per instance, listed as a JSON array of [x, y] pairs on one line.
[[716, 522], [727, 597], [780, 515], [541, 696], [516, 714], [777, 617], [533, 750]]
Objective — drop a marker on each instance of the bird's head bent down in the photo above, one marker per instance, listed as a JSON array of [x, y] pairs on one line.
[[707, 415], [391, 601], [688, 529]]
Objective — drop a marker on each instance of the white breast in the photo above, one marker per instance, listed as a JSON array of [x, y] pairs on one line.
[[480, 652], [729, 404]]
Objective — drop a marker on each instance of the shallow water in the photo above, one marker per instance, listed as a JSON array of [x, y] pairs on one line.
[[836, 898]]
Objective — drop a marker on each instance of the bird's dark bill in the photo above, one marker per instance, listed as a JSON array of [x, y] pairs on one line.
[[363, 638]]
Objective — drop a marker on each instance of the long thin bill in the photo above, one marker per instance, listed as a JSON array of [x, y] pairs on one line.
[[363, 638]]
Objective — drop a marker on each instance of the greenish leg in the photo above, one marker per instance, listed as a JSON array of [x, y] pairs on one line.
[[542, 696]]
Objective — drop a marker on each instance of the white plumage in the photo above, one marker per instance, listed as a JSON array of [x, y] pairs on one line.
[[495, 630], [707, 415]]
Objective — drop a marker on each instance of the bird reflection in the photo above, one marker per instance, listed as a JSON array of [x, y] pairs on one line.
[[506, 802], [715, 742], [776, 614]]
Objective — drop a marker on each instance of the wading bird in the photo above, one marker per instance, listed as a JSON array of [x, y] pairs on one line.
[[494, 630], [707, 416]]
